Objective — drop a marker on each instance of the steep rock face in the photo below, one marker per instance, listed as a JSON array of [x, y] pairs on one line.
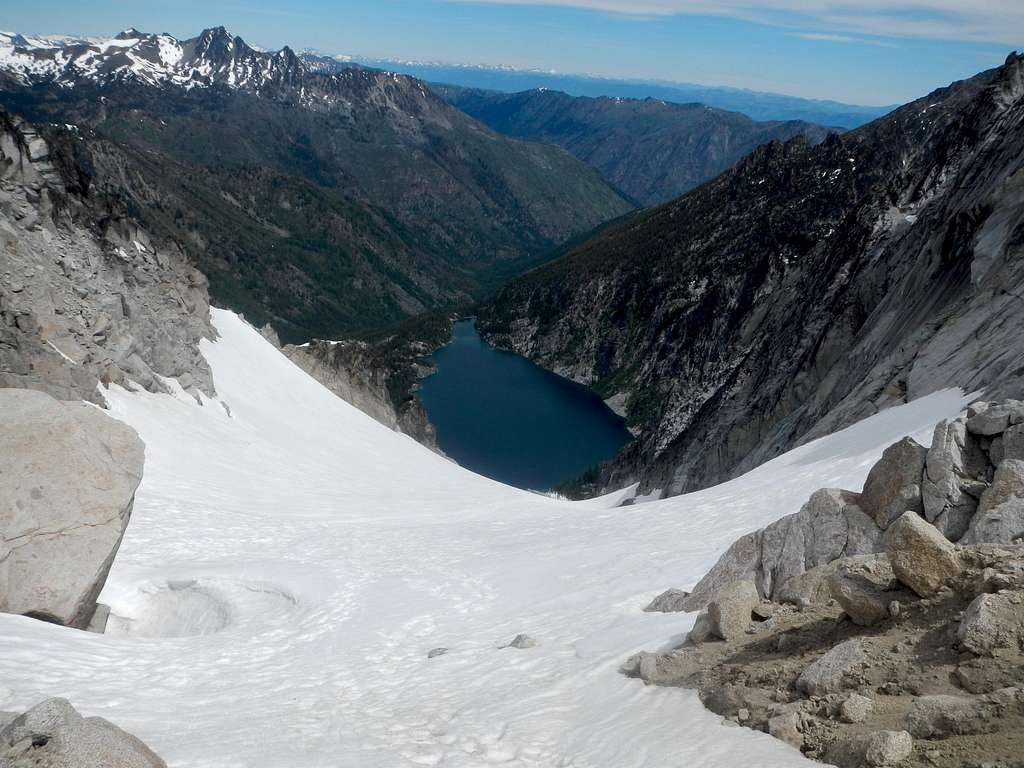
[[68, 474], [803, 290], [86, 295], [349, 370], [650, 149], [328, 204], [379, 374]]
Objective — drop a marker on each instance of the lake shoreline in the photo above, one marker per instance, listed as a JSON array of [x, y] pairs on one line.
[[502, 416]]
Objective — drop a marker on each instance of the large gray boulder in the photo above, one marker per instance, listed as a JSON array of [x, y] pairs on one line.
[[991, 622], [829, 526], [921, 557], [670, 601], [996, 418], [955, 477], [730, 613], [940, 716], [815, 586], [893, 485], [68, 475], [54, 735], [827, 674], [39, 722], [1012, 444], [1000, 515], [861, 597], [885, 748]]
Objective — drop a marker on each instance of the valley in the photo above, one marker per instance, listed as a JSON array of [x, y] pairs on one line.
[[652, 150], [325, 204]]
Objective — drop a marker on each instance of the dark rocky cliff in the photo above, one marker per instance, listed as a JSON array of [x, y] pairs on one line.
[[802, 290]]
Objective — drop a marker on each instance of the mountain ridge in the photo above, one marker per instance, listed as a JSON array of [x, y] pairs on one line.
[[328, 204], [758, 105], [651, 149]]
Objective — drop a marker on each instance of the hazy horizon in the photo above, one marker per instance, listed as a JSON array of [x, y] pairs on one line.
[[869, 53]]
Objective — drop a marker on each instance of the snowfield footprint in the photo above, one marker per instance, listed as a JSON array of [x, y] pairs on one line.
[[194, 607]]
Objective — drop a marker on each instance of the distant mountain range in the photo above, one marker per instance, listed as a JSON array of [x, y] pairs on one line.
[[650, 149], [754, 104], [326, 203]]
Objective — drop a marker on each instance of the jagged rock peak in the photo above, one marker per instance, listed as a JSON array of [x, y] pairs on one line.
[[214, 57], [1008, 87]]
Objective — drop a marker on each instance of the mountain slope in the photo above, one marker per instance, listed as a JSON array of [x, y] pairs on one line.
[[802, 290], [652, 150], [327, 203]]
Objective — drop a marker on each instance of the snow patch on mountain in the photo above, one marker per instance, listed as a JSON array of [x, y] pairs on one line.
[[215, 56]]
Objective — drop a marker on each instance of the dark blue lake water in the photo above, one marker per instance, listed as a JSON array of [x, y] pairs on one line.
[[501, 416]]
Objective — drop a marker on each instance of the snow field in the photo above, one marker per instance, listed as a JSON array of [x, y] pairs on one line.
[[289, 565]]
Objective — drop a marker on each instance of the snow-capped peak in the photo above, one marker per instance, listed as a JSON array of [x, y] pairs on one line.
[[214, 57]]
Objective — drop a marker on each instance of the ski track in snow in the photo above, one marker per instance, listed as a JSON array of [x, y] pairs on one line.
[[288, 567]]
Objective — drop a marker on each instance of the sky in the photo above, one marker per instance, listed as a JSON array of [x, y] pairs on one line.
[[874, 52]]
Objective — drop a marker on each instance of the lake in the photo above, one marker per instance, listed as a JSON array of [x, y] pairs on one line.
[[501, 416]]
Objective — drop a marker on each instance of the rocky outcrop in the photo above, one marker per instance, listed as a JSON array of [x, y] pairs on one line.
[[870, 655], [54, 735], [956, 470], [935, 684], [798, 293], [1000, 513], [829, 526], [86, 295], [68, 475], [953, 480], [342, 367]]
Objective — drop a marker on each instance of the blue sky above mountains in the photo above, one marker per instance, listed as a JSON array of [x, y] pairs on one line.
[[859, 51]]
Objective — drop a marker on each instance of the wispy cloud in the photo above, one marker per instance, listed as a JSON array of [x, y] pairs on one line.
[[827, 37], [987, 21]]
